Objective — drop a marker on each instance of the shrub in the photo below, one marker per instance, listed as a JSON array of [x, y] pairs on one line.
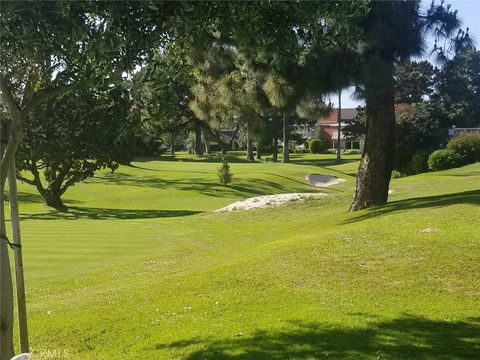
[[415, 129], [444, 159], [224, 173], [332, 151], [419, 162], [397, 174], [316, 146], [467, 145], [352, 151]]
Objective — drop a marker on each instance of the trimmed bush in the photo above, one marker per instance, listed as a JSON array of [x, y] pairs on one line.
[[397, 174], [301, 151], [419, 162], [467, 145], [332, 151], [444, 159], [352, 152], [316, 146]]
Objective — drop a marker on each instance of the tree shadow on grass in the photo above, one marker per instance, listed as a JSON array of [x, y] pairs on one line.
[[245, 187], [408, 337], [29, 198], [33, 198], [232, 157], [299, 160], [465, 197], [75, 212]]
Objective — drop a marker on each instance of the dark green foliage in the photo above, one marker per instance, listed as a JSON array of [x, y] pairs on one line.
[[224, 173], [419, 162], [357, 127], [316, 146], [467, 145], [456, 100], [415, 130], [444, 159], [414, 81], [67, 140]]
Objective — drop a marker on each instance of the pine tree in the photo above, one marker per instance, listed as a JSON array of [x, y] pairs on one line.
[[224, 173]]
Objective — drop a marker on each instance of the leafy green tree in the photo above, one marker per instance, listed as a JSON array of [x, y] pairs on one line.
[[163, 88], [456, 100], [415, 129], [48, 49], [414, 81], [357, 127], [67, 140]]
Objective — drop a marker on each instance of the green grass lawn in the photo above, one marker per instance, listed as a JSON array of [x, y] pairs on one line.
[[142, 268]]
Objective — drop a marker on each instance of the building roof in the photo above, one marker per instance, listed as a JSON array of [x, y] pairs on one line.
[[347, 115], [228, 135]]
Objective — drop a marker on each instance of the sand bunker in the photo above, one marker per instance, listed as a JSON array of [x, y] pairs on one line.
[[323, 180], [269, 201]]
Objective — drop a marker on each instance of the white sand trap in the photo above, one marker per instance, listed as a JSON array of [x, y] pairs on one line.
[[323, 180], [269, 201]]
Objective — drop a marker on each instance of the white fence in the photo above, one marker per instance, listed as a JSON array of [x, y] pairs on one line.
[[455, 131]]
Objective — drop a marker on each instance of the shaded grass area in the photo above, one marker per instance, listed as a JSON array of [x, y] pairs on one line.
[[75, 212], [140, 266], [408, 337]]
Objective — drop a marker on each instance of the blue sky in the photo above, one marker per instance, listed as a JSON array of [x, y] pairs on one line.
[[468, 13]]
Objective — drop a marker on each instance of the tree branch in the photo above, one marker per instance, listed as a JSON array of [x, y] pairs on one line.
[[8, 96], [26, 180], [11, 148], [46, 95]]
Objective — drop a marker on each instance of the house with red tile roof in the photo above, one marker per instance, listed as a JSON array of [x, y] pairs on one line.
[[326, 129]]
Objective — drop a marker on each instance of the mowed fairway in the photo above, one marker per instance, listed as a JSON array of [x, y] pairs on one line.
[[142, 268]]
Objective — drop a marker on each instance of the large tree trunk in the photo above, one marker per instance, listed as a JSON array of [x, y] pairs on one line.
[[275, 148], [6, 285], [376, 165], [206, 140], [198, 139], [224, 147], [286, 152], [53, 199], [172, 143], [259, 153], [339, 128], [249, 145]]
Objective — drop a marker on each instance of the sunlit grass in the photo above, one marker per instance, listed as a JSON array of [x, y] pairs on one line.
[[142, 268]]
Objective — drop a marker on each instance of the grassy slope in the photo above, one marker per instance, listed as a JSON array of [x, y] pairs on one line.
[[142, 268]]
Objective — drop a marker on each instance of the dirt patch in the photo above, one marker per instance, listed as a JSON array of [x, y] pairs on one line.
[[323, 180], [430, 230], [261, 202]]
